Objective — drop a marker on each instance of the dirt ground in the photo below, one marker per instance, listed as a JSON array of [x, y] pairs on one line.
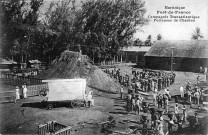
[[16, 119]]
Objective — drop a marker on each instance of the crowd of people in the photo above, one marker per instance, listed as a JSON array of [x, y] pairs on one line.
[[194, 93], [154, 81], [146, 80]]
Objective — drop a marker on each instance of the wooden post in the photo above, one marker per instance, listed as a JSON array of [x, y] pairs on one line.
[[114, 58], [121, 58]]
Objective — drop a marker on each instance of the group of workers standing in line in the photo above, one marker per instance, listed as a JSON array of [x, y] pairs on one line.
[[21, 92], [146, 80], [154, 81]]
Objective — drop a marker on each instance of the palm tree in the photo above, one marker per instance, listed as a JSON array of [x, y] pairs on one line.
[[197, 34]]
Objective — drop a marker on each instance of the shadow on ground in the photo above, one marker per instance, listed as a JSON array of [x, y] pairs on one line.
[[34, 105]]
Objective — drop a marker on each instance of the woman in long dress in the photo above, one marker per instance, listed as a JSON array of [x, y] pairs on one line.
[[17, 93], [24, 91]]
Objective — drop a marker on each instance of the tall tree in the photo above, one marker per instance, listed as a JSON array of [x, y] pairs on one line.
[[114, 22], [100, 26], [19, 21], [196, 35]]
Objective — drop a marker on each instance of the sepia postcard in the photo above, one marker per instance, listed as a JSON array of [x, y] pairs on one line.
[[104, 67]]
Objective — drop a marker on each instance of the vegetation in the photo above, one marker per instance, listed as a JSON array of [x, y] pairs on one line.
[[148, 42], [159, 37], [197, 34], [98, 27]]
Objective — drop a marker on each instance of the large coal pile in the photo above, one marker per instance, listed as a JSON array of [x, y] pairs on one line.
[[69, 66]]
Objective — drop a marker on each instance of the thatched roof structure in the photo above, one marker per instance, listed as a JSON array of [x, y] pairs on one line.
[[181, 48], [69, 66]]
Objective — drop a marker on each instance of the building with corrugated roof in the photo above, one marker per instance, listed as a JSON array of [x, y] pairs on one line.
[[135, 54], [188, 55]]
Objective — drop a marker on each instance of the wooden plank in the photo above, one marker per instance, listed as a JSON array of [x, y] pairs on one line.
[[143, 93], [65, 131]]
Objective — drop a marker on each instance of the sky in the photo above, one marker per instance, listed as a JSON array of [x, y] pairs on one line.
[[171, 30], [175, 30]]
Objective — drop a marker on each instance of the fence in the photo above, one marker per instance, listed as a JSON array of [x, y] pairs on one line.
[[16, 80], [54, 128], [32, 90]]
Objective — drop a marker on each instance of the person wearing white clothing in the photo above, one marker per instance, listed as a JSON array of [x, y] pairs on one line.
[[24, 91], [17, 92], [90, 99], [155, 96], [122, 92], [205, 70], [182, 91], [176, 109]]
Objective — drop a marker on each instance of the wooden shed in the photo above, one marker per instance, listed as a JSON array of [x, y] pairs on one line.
[[188, 55], [7, 64]]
